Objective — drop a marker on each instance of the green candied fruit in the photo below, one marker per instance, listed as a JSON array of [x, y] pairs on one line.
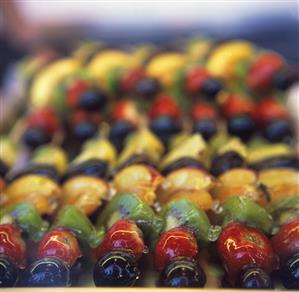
[[284, 210], [129, 206], [183, 212], [71, 218], [27, 218], [244, 210]]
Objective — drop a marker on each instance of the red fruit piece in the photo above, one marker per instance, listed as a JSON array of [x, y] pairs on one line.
[[176, 242], [12, 245], [44, 118], [61, 244], [79, 116], [130, 78], [262, 70], [195, 78], [286, 242], [164, 105], [74, 91], [240, 246], [2, 184], [123, 235], [269, 109], [235, 104], [125, 110], [203, 111]]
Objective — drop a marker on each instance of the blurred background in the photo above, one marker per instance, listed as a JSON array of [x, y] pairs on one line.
[[28, 24], [54, 26]]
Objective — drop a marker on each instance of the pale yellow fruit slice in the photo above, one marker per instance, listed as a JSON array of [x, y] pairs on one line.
[[52, 155], [235, 145], [139, 179], [143, 142], [164, 66], [238, 177], [8, 151], [105, 61], [40, 191], [184, 179], [97, 149], [193, 147], [85, 192], [43, 86], [280, 182], [224, 58], [236, 182], [268, 151], [201, 199]]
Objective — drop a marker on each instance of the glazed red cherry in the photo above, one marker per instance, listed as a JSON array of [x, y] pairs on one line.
[[195, 79], [175, 243], [12, 245], [79, 116], [239, 246], [74, 91], [199, 81], [286, 242], [60, 244], [270, 109], [262, 70], [203, 110], [44, 118], [123, 235], [235, 105], [130, 78], [164, 105], [125, 110]]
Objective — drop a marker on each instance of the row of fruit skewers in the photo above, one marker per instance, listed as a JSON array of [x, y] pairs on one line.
[[76, 95], [98, 158], [181, 228]]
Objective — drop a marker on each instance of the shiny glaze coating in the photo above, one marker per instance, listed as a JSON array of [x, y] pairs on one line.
[[182, 273], [123, 235], [61, 244], [254, 278], [289, 272], [240, 246], [286, 242], [262, 69], [46, 272], [117, 268], [177, 242], [12, 245], [9, 273]]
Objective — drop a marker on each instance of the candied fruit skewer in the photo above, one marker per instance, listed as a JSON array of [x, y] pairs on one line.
[[244, 249], [185, 232], [38, 182], [130, 224], [85, 183], [57, 261], [17, 223]]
